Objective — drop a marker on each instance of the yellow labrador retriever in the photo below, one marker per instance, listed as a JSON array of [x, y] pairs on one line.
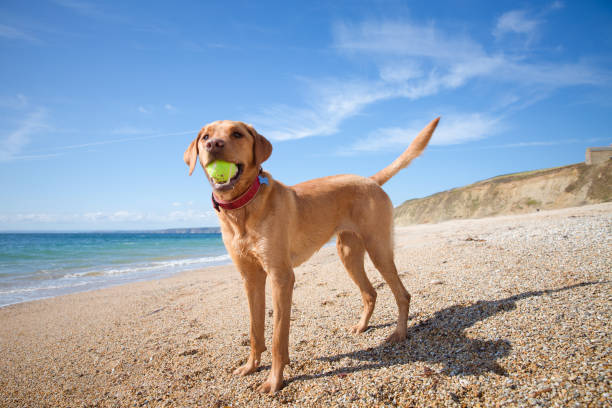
[[269, 228]]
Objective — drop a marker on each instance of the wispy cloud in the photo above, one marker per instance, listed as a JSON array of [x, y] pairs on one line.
[[330, 103], [403, 39], [123, 140], [13, 33], [107, 12], [12, 144], [516, 22], [539, 143], [523, 23], [453, 60], [130, 130], [558, 142], [185, 204], [556, 5], [148, 109], [81, 7], [41, 156], [416, 61], [462, 128], [91, 10], [18, 101], [453, 129]]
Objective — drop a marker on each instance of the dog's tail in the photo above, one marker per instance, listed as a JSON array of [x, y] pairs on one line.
[[414, 150]]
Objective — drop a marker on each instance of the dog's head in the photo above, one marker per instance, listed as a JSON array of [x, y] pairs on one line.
[[233, 142]]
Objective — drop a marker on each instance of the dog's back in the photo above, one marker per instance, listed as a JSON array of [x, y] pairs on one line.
[[359, 205]]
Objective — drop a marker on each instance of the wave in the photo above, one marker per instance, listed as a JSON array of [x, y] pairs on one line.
[[39, 288], [59, 281], [151, 266]]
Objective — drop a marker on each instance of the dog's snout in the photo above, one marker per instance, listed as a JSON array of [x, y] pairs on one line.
[[214, 145]]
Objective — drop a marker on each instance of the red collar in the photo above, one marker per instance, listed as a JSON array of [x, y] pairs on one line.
[[243, 199]]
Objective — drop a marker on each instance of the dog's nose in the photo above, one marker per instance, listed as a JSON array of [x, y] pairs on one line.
[[214, 145]]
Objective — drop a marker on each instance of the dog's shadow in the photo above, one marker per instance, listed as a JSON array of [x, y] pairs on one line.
[[441, 339]]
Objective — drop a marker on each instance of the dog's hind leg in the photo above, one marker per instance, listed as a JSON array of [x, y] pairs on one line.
[[352, 252], [380, 249]]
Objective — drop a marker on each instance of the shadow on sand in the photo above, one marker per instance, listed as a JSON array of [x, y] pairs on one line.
[[441, 340]]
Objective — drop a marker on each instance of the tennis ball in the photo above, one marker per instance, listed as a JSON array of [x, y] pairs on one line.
[[221, 171]]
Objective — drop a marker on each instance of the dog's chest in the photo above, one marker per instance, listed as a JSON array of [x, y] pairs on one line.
[[240, 243]]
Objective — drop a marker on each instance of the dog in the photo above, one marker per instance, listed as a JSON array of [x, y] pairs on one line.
[[269, 228]]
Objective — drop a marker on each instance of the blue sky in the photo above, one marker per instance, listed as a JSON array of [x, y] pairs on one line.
[[100, 99]]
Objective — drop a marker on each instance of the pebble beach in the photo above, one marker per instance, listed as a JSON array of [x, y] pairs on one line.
[[506, 311]]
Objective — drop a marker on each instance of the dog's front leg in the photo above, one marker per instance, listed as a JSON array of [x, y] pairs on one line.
[[282, 280], [255, 286]]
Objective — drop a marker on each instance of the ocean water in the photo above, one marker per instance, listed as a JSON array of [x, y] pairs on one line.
[[36, 266]]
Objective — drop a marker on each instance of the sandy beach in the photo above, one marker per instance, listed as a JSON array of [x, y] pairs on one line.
[[506, 311]]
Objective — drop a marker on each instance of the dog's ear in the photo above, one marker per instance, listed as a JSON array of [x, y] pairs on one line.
[[191, 154], [262, 148]]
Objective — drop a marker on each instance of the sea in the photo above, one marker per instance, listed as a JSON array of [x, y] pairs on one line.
[[41, 265]]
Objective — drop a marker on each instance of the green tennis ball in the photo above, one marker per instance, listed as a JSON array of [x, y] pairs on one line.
[[221, 171]]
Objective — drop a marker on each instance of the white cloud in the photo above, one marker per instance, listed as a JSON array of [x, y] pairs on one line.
[[130, 130], [453, 60], [149, 109], [517, 22], [523, 23], [11, 146], [81, 7], [16, 102], [416, 61], [400, 72], [125, 139], [13, 143], [12, 33], [332, 102], [556, 5], [191, 215], [465, 128], [453, 129], [403, 39], [91, 10], [22, 101], [537, 143], [28, 217]]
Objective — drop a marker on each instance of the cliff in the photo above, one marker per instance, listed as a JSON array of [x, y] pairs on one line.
[[559, 187]]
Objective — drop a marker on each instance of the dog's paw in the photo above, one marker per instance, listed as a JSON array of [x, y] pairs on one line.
[[271, 385], [246, 369], [396, 337], [358, 328]]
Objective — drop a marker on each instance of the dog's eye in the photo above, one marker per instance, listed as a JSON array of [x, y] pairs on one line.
[[237, 135], [205, 137]]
